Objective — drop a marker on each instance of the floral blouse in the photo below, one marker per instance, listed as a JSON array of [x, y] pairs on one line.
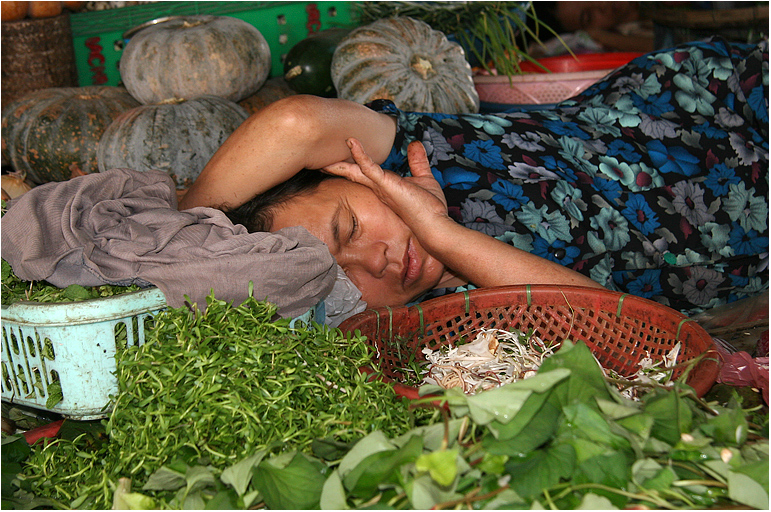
[[654, 181]]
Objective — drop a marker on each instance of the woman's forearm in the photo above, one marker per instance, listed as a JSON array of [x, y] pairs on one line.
[[486, 261], [285, 137]]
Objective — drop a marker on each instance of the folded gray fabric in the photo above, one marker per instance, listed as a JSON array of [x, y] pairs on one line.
[[122, 227]]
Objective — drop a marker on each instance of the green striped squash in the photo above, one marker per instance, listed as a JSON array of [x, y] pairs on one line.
[[53, 134]]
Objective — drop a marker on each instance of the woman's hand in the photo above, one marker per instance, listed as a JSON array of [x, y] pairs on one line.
[[418, 200]]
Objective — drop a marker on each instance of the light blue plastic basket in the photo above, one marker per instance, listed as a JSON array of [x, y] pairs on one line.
[[71, 345]]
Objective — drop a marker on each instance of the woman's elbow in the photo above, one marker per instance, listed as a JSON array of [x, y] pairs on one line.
[[294, 117]]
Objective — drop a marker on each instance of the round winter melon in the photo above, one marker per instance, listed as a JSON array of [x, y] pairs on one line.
[[176, 136], [406, 61], [189, 56]]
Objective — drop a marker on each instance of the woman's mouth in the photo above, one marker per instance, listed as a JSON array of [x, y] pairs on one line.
[[412, 265]]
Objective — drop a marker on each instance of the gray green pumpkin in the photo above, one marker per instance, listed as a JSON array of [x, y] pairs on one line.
[[190, 56], [178, 136], [53, 134], [406, 61]]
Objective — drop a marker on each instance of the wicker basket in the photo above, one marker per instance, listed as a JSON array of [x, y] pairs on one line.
[[37, 54], [620, 329]]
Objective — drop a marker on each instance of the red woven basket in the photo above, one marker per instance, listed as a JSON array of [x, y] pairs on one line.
[[620, 329]]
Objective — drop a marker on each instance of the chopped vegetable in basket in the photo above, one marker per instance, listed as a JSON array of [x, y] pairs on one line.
[[496, 357]]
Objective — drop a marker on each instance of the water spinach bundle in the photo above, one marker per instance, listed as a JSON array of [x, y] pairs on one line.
[[209, 388]]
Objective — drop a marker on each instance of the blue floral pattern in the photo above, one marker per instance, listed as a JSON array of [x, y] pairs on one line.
[[653, 181]]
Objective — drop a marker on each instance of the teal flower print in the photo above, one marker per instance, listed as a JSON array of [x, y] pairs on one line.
[[573, 151], [522, 242], [692, 97], [627, 114], [600, 121], [744, 206], [601, 273], [491, 125], [612, 231], [619, 171], [569, 197], [716, 238], [550, 225]]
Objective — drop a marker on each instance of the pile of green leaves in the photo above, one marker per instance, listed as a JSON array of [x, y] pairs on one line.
[[16, 290], [209, 388], [563, 439]]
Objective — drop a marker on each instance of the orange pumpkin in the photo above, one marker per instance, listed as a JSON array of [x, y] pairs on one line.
[[44, 9], [12, 11]]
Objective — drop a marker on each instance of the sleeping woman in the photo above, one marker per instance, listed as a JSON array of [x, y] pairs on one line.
[[654, 181]]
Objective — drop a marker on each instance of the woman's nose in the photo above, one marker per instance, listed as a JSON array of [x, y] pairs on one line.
[[370, 258]]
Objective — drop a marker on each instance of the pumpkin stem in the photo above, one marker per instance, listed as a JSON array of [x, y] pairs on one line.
[[188, 24], [422, 67], [172, 101]]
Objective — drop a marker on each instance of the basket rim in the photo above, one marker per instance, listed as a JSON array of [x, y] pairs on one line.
[[541, 77], [61, 313], [531, 291]]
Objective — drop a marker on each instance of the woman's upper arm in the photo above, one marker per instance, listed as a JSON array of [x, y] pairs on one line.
[[279, 140]]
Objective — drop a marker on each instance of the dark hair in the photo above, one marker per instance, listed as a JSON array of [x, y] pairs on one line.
[[257, 214]]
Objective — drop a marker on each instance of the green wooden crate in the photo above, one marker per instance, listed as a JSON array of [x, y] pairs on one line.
[[99, 36]]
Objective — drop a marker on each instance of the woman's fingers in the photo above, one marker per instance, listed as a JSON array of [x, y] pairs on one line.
[[369, 168], [418, 160], [364, 171]]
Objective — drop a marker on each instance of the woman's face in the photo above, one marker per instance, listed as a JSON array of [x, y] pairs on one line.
[[377, 250]]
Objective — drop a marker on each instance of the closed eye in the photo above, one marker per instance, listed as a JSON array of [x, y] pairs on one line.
[[354, 227]]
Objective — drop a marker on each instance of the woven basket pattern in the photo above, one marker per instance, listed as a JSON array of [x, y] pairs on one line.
[[620, 329], [37, 54]]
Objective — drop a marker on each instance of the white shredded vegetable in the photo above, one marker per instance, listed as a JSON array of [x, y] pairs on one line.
[[496, 357]]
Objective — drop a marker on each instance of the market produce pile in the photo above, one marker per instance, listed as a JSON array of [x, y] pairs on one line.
[[229, 408]]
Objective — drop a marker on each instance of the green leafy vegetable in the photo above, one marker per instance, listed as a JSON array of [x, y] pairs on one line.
[[231, 408]]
